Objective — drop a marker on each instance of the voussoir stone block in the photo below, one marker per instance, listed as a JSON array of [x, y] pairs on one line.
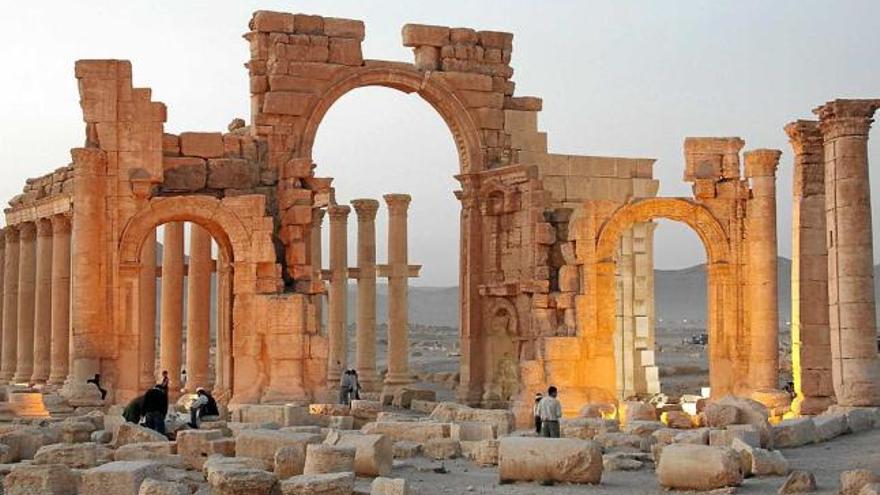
[[698, 467], [118, 477], [549, 459]]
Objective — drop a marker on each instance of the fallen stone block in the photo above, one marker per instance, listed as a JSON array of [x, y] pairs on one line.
[[678, 420], [698, 467], [612, 440], [852, 482], [367, 410], [870, 489], [78, 456], [419, 432], [798, 482], [218, 462], [720, 415], [829, 426], [549, 459], [405, 449], [340, 422], [262, 444], [422, 406], [194, 446], [403, 397], [634, 411], [162, 452], [329, 410], [22, 443], [389, 486], [118, 477], [620, 462], [442, 448], [77, 431], [282, 415], [747, 433], [699, 436], [753, 413], [324, 458], [586, 428], [768, 463], [128, 433], [232, 480], [450, 412], [600, 410], [473, 431], [52, 479], [643, 428], [157, 487], [373, 453], [794, 433], [319, 484], [483, 453]]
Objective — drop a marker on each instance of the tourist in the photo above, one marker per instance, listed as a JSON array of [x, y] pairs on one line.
[[97, 382], [182, 378], [134, 411], [535, 412], [203, 405], [155, 409], [550, 411], [345, 383], [165, 381], [355, 385]]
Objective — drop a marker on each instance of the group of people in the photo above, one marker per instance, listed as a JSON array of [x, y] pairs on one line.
[[547, 412], [349, 387], [152, 407]]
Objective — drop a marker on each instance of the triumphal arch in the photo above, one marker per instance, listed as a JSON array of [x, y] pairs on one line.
[[556, 277]]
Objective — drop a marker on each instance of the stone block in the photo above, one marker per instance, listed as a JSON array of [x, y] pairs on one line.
[[586, 428], [267, 21], [373, 453], [319, 484], [794, 433], [698, 467], [442, 448], [852, 482], [201, 144], [287, 103], [798, 482], [720, 415], [700, 436], [829, 426], [77, 431], [748, 434], [184, 174], [329, 409], [282, 415], [262, 444], [405, 449], [421, 34], [678, 420], [404, 396], [241, 481], [403, 430], [40, 480], [194, 446], [634, 411], [128, 433], [157, 487], [473, 431], [503, 419], [308, 24], [325, 458], [118, 477], [345, 51], [344, 28], [768, 463], [549, 459], [226, 173], [366, 409], [642, 428], [74, 456], [389, 486]]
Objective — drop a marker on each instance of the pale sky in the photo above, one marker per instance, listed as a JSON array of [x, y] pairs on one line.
[[623, 78]]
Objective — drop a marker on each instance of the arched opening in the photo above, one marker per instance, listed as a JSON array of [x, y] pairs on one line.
[[679, 336], [374, 141]]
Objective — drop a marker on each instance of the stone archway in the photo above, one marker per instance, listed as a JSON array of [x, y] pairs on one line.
[[723, 298]]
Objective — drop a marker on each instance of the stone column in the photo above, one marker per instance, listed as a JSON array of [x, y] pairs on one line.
[[223, 363], [760, 167], [10, 304], [854, 366], [43, 303], [198, 326], [398, 278], [171, 332], [2, 271], [366, 291], [27, 267], [147, 313], [60, 348], [317, 305], [337, 317], [810, 336], [624, 334]]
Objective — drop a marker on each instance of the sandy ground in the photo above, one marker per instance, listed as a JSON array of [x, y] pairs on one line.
[[825, 461]]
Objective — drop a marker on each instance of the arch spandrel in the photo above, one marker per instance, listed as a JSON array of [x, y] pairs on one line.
[[696, 216], [438, 94]]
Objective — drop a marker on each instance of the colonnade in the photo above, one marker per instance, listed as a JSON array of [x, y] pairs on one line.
[[35, 344], [397, 271]]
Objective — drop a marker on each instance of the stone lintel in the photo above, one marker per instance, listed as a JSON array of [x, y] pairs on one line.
[[392, 271]]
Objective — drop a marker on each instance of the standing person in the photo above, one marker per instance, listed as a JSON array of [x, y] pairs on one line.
[[345, 388], [536, 413], [355, 385], [134, 410], [182, 379], [155, 409], [165, 381], [550, 410], [203, 405]]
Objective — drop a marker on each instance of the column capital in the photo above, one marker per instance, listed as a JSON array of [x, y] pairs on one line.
[[318, 216], [844, 117], [761, 162], [397, 203], [804, 135], [60, 223], [27, 231], [11, 233], [338, 213], [365, 208], [44, 227]]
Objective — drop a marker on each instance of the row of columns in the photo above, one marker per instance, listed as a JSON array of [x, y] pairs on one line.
[[35, 345], [832, 221], [397, 271]]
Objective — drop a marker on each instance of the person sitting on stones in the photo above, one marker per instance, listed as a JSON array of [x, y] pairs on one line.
[[536, 413], [550, 410], [345, 384], [203, 405], [134, 411], [155, 409]]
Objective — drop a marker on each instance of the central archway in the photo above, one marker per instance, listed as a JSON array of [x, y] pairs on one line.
[[722, 307]]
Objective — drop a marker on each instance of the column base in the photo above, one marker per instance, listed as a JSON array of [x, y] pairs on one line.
[[810, 406], [392, 384], [22, 377], [82, 394]]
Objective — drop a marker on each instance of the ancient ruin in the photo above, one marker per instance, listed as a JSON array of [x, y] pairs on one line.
[[556, 274]]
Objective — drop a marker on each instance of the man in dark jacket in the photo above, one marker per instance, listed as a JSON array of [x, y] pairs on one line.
[[134, 410], [155, 409]]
